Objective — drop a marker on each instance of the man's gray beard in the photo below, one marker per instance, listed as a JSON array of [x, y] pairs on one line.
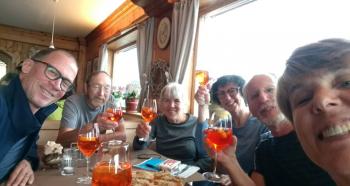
[[278, 120]]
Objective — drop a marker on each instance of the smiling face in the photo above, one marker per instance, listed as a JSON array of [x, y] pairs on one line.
[[172, 108], [261, 97], [39, 89], [320, 104], [98, 90], [172, 103], [230, 98]]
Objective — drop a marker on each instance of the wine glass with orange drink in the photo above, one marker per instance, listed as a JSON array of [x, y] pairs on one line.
[[218, 136], [202, 76], [88, 143], [148, 112], [115, 108]]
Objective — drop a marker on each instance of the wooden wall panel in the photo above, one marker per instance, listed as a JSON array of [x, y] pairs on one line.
[[127, 15], [21, 44], [37, 38]]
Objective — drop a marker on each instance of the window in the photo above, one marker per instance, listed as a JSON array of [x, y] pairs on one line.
[[260, 36], [2, 69], [125, 67]]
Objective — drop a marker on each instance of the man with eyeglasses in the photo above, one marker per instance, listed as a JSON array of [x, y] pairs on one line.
[[279, 158], [83, 110], [24, 105], [227, 92]]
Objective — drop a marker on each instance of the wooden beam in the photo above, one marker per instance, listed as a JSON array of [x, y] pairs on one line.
[[82, 66], [154, 8], [127, 15], [37, 38]]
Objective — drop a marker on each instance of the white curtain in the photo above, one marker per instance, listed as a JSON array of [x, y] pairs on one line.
[[144, 54], [103, 61], [183, 32]]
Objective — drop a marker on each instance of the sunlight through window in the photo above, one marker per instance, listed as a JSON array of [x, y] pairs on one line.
[[125, 67], [260, 36]]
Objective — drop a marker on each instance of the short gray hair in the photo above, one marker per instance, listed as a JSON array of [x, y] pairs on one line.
[[174, 90]]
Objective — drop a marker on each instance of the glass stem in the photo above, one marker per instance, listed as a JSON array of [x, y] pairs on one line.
[[87, 166], [215, 162]]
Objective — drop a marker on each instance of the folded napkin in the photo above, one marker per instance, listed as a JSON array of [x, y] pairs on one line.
[[156, 164], [185, 171]]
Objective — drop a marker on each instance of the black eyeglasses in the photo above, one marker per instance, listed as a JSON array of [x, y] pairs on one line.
[[53, 74], [232, 92]]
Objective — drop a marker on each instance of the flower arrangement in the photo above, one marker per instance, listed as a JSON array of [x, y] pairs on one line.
[[118, 93], [52, 148], [52, 154], [132, 91]]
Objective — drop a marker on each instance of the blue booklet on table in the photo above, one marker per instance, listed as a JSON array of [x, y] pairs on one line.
[[151, 164]]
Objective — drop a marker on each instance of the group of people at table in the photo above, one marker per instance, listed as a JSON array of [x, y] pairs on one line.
[[288, 131]]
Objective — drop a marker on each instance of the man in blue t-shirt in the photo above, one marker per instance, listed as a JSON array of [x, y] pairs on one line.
[[279, 158], [24, 105]]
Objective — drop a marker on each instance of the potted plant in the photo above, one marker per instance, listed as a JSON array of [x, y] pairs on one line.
[[132, 97]]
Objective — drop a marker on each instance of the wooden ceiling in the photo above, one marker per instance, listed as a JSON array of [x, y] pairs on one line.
[[158, 7], [154, 7]]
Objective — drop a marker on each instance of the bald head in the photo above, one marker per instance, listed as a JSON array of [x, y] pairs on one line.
[[260, 93]]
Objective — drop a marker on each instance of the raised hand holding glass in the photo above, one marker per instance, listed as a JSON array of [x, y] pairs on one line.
[[202, 76], [148, 112], [218, 137], [115, 108]]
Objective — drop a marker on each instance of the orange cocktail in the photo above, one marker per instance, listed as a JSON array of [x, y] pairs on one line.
[[148, 114], [202, 77], [106, 174], [117, 114], [88, 145], [218, 138]]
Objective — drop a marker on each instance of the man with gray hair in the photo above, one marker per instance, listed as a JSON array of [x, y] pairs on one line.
[[279, 158], [81, 111]]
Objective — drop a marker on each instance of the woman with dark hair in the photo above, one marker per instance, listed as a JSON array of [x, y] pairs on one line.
[[227, 92]]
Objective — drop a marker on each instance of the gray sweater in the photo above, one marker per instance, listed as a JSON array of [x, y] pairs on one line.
[[183, 142]]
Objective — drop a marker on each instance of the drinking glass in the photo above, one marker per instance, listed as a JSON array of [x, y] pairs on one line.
[[88, 143], [202, 76], [114, 166], [148, 112], [115, 108], [218, 136]]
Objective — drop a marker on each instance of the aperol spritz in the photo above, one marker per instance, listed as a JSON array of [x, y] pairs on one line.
[[218, 137], [88, 143], [115, 107], [114, 167], [148, 112], [202, 76]]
